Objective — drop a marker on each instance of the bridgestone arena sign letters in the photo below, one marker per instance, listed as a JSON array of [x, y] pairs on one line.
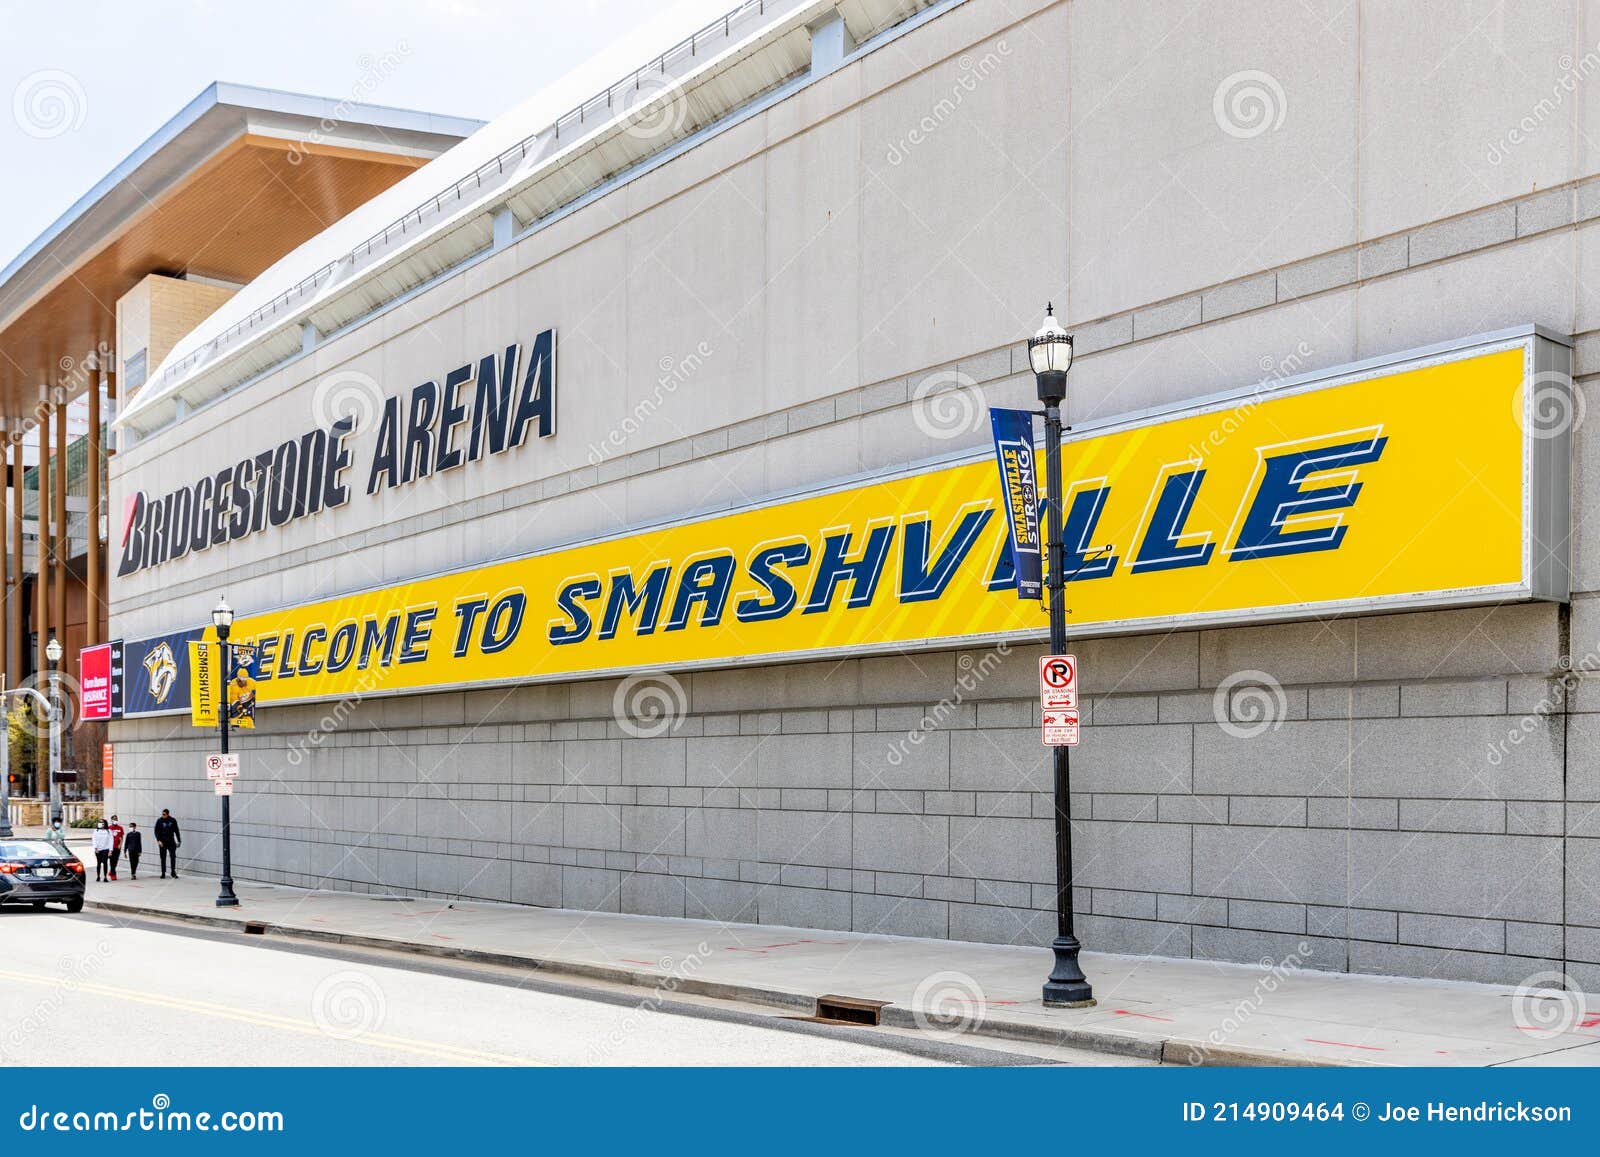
[[1428, 481], [479, 410]]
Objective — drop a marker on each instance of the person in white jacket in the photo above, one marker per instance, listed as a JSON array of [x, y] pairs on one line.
[[102, 850]]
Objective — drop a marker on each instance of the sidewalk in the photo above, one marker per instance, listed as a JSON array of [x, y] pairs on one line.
[[1178, 1011]]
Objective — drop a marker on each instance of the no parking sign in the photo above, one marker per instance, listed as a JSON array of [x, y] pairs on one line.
[[1058, 700]]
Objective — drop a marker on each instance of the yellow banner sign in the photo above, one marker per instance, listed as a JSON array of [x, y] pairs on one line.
[[1406, 486], [202, 685]]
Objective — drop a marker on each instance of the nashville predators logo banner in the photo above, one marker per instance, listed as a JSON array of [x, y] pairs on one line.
[[1439, 480]]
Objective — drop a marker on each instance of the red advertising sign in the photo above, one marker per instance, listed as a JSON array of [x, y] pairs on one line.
[[94, 666]]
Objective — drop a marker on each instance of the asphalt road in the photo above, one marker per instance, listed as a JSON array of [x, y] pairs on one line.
[[92, 989]]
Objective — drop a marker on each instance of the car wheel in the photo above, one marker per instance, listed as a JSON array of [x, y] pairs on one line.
[[75, 905]]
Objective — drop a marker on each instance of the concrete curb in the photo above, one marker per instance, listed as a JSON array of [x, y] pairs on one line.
[[1164, 1050]]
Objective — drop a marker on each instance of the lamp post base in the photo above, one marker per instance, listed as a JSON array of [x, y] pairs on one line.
[[1067, 986], [226, 898]]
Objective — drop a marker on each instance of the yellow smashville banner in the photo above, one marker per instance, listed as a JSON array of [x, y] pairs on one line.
[[202, 684], [1426, 483], [203, 673]]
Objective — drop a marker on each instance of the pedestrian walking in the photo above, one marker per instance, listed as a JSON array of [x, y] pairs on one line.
[[133, 845], [168, 840], [101, 842], [117, 832], [56, 836]]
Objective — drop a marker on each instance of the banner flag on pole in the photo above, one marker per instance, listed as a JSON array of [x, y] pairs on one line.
[[242, 685], [202, 684], [1019, 489]]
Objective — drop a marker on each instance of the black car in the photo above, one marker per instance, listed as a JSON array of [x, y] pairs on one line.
[[38, 872]]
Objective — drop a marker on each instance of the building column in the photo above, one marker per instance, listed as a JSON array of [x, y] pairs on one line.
[[91, 587], [62, 554], [41, 581], [14, 608], [6, 633]]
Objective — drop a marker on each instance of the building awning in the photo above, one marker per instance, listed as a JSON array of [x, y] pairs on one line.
[[234, 181]]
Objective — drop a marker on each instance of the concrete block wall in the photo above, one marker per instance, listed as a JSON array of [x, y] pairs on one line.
[[1379, 817]]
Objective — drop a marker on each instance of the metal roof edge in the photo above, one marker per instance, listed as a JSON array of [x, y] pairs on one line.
[[225, 94]]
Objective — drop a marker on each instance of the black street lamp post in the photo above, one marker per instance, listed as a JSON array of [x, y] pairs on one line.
[[222, 619], [1050, 356], [52, 655]]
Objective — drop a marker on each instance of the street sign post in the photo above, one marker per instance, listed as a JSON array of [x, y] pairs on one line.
[[1058, 700]]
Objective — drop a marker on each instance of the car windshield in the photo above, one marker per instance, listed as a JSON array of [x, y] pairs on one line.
[[28, 850]]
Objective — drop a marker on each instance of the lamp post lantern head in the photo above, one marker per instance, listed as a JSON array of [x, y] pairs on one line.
[[1050, 355], [52, 650], [222, 618]]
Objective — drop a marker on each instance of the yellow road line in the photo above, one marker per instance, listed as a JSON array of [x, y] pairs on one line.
[[431, 1049]]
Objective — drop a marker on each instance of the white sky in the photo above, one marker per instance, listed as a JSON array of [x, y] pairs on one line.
[[126, 68]]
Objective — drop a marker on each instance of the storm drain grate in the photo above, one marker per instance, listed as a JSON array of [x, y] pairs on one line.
[[252, 928], [849, 1010]]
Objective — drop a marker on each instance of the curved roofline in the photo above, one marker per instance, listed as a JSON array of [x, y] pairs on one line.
[[506, 176], [15, 292]]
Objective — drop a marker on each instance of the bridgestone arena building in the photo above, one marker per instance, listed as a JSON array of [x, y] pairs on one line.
[[613, 506]]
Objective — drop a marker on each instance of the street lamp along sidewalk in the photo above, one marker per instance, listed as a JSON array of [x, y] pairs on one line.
[[222, 619], [51, 703], [1050, 356]]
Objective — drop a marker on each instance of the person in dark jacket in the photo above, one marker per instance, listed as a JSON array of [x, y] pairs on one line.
[[168, 840], [133, 848]]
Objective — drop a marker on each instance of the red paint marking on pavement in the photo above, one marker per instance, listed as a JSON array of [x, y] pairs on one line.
[[997, 1002], [1125, 1012], [651, 963], [1346, 1045], [1590, 1022], [437, 936]]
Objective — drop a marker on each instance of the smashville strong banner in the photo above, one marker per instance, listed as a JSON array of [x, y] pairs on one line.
[[1406, 488]]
